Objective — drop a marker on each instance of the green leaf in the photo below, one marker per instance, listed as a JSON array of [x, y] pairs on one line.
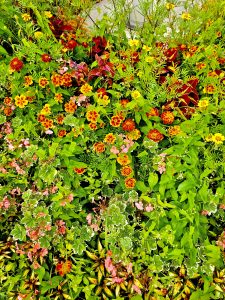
[[152, 180], [142, 187], [3, 51], [2, 119], [19, 233]]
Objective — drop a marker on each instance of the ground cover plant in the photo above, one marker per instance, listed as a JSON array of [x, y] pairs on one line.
[[112, 152]]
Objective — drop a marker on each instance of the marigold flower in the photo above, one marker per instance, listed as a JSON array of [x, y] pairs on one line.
[[99, 147], [130, 183], [149, 59], [104, 100], [86, 89], [46, 110], [186, 16], [169, 6], [146, 48], [64, 267], [92, 116], [124, 102], [135, 95], [62, 133], [26, 17], [93, 126], [56, 79], [8, 111], [38, 34], [126, 171], [218, 138], [71, 44], [60, 119], [58, 97], [48, 14], [134, 134], [21, 101], [123, 159], [174, 130], [209, 89], [66, 79], [79, 170], [128, 125], [133, 43], [110, 138], [8, 101], [200, 66], [115, 121], [46, 57], [70, 107], [16, 64], [203, 103], [154, 112], [28, 81], [155, 135], [167, 117], [47, 123], [43, 82], [101, 92], [41, 118]]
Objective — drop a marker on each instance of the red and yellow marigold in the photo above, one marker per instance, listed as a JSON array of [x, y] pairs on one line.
[[79, 171], [64, 267], [99, 147], [134, 134], [126, 171], [16, 64], [92, 116], [174, 130], [93, 126], [46, 110], [209, 89], [21, 101], [28, 80], [66, 80], [155, 135], [8, 101], [115, 121], [110, 138], [167, 117], [43, 81], [8, 111], [128, 125], [123, 159], [124, 102], [58, 97], [154, 112], [86, 89], [46, 57], [47, 123], [56, 79], [70, 107], [130, 183], [60, 119]]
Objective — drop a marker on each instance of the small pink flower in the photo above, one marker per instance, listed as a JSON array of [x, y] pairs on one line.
[[49, 131], [36, 265], [89, 219], [139, 205], [129, 268], [43, 252], [95, 227], [162, 167], [114, 150], [70, 197], [63, 70], [3, 170], [136, 289], [149, 208], [117, 280], [6, 203], [205, 213]]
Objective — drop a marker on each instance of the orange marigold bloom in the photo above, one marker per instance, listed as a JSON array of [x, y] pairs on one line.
[[46, 110], [99, 147], [30, 98], [155, 135], [8, 111], [60, 119], [126, 171], [43, 82], [46, 58], [16, 64], [123, 159], [167, 117], [130, 183], [200, 66], [86, 88], [62, 133], [58, 97], [21, 101], [121, 116], [128, 125], [92, 116], [115, 121], [64, 267], [8, 101], [209, 89], [67, 79], [47, 123], [110, 138], [93, 126], [41, 118], [154, 112], [79, 170], [56, 79], [28, 81], [124, 102], [134, 134], [174, 130], [70, 107]]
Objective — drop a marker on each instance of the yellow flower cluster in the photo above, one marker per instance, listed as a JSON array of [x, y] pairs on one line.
[[217, 138]]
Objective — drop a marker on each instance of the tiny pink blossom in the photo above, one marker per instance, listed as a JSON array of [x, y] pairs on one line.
[[149, 208], [49, 131], [89, 218], [117, 280], [205, 213], [139, 205], [129, 268], [43, 252], [114, 150], [95, 227], [70, 197], [3, 170]]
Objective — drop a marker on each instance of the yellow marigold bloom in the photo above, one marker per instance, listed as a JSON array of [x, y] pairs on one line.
[[134, 134], [48, 14], [104, 100], [123, 159], [174, 130], [186, 16], [43, 82], [38, 34], [203, 103], [149, 59], [21, 101], [135, 94], [110, 138], [46, 110], [86, 88], [146, 48], [133, 43], [208, 138], [58, 97], [169, 6], [139, 73], [218, 138], [26, 17]]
